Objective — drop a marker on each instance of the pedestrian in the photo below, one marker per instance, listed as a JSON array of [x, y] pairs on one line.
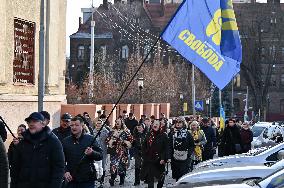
[[152, 118], [231, 139], [139, 136], [246, 137], [38, 159], [3, 132], [119, 142], [64, 130], [155, 156], [164, 125], [88, 125], [46, 116], [107, 124], [181, 145], [101, 139], [124, 115], [4, 170], [99, 113], [20, 130], [199, 142], [80, 172], [131, 122], [147, 123], [211, 145]]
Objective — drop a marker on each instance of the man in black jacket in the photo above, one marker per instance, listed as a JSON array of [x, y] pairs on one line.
[[210, 146], [80, 173], [64, 130], [38, 160], [3, 132], [4, 171]]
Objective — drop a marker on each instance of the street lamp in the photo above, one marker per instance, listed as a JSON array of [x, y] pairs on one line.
[[140, 86], [268, 104]]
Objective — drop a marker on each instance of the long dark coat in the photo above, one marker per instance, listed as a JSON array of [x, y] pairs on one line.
[[38, 161], [183, 141], [3, 166], [152, 155], [231, 136]]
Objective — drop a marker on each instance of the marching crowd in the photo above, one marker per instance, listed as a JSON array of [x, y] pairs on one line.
[[75, 154]]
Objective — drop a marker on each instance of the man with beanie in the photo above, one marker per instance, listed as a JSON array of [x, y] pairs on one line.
[[64, 130], [38, 160], [211, 144], [131, 122]]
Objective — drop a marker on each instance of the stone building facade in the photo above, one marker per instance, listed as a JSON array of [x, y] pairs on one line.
[[19, 59]]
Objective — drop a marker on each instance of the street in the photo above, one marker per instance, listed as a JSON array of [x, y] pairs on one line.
[[129, 180]]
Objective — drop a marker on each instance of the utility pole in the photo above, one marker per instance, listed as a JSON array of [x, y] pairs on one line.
[[91, 74], [232, 100], [193, 91], [41, 89], [246, 107]]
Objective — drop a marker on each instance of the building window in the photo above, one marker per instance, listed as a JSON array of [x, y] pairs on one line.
[[81, 52], [237, 80], [103, 50], [282, 80], [282, 106], [273, 80], [237, 105], [125, 52]]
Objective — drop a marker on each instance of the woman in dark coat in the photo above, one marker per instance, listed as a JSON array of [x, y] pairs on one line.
[[231, 139], [155, 156], [181, 146], [246, 137]]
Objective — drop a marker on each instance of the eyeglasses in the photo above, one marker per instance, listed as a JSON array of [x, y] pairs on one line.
[[179, 121]]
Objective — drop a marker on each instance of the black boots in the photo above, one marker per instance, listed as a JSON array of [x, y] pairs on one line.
[[137, 176], [122, 177], [102, 180], [111, 180]]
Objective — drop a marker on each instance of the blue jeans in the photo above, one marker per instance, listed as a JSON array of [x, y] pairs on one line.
[[90, 184]]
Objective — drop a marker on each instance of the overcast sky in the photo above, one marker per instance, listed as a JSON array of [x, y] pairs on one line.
[[73, 14]]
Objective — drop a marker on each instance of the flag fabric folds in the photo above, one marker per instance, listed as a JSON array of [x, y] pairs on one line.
[[205, 32], [222, 118]]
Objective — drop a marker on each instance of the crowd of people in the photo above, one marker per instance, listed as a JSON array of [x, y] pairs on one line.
[[75, 154]]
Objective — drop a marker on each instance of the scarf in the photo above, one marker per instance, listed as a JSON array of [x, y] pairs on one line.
[[153, 136]]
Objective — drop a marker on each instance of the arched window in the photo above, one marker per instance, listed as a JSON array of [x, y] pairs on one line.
[[125, 52], [237, 105], [81, 52]]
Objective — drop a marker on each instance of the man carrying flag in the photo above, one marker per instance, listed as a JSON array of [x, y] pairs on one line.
[[205, 32]]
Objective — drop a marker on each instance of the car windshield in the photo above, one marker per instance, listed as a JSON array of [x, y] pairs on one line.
[[257, 130], [276, 179]]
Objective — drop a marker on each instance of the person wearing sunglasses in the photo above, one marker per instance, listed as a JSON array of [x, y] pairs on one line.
[[64, 130]]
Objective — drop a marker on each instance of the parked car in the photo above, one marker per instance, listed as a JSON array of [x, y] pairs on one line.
[[254, 157], [230, 174], [274, 180], [265, 134]]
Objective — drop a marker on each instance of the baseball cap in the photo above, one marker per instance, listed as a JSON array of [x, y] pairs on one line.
[[66, 117], [35, 116]]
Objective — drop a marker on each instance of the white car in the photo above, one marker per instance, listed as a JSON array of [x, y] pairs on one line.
[[264, 132], [258, 157], [275, 180], [228, 175]]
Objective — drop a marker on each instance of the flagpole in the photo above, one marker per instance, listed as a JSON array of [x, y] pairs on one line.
[[220, 98], [193, 91]]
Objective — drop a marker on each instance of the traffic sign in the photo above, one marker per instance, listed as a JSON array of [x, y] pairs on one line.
[[198, 105]]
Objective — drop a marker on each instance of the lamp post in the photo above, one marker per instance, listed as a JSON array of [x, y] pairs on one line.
[[268, 104], [140, 87], [207, 105], [246, 107]]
